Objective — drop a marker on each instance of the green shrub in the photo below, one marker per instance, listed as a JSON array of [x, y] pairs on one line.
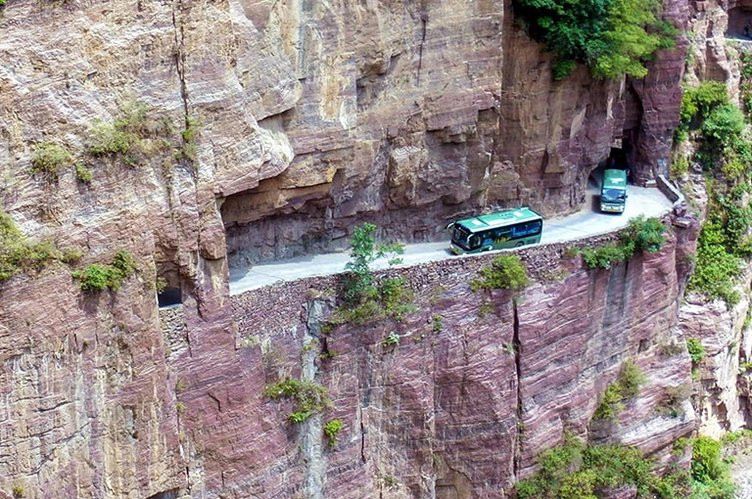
[[437, 323], [710, 474], [98, 277], [604, 257], [83, 174], [613, 37], [717, 267], [626, 386], [640, 235], [365, 297], [576, 470], [310, 398], [723, 123], [332, 429], [18, 490], [680, 167], [698, 102], [696, 350], [391, 339], [48, 158], [673, 397], [631, 378], [189, 135], [647, 234], [71, 255], [562, 69], [505, 272], [17, 254], [133, 135], [611, 404]]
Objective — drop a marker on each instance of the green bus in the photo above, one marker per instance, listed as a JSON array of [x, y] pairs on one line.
[[614, 191], [502, 229]]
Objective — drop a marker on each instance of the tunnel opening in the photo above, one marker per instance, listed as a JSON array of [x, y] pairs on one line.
[[739, 23], [620, 157], [169, 289], [166, 494]]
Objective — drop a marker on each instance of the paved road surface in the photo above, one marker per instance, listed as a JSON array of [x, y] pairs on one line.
[[586, 222]]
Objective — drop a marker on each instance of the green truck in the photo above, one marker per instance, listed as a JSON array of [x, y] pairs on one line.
[[614, 191]]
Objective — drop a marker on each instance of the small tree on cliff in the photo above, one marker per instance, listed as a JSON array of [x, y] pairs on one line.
[[360, 284], [366, 297]]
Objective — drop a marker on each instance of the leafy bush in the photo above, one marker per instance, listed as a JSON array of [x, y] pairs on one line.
[[391, 339], [640, 235], [612, 37], [605, 256], [710, 474], [611, 404], [646, 234], [698, 102], [437, 323], [626, 386], [696, 350], [309, 397], [131, 136], [722, 123], [83, 174], [98, 277], [680, 167], [48, 158], [17, 254], [576, 470], [366, 298], [332, 429], [717, 267], [505, 272]]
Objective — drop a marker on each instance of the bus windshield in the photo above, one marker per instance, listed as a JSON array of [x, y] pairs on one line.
[[613, 195], [462, 237]]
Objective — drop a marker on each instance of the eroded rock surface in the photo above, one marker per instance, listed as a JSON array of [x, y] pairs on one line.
[[313, 116]]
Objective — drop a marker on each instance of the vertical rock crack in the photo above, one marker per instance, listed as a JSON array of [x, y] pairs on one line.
[[517, 371]]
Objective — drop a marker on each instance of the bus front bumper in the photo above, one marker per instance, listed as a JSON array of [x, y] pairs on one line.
[[612, 208]]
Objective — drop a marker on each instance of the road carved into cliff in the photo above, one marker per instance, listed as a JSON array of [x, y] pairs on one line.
[[587, 222]]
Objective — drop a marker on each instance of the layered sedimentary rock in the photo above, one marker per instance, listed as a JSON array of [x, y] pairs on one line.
[[477, 385], [313, 116]]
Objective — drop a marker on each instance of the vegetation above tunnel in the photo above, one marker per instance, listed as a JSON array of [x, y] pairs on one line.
[[613, 37]]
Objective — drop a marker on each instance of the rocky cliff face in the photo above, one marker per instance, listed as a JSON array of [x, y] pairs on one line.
[[723, 401], [477, 385], [313, 116]]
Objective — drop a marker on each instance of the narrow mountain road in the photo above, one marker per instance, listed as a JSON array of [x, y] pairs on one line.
[[587, 222]]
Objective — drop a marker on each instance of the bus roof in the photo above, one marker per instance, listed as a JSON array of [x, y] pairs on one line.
[[614, 179], [499, 219]]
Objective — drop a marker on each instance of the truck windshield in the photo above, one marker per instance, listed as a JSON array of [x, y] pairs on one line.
[[613, 195]]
